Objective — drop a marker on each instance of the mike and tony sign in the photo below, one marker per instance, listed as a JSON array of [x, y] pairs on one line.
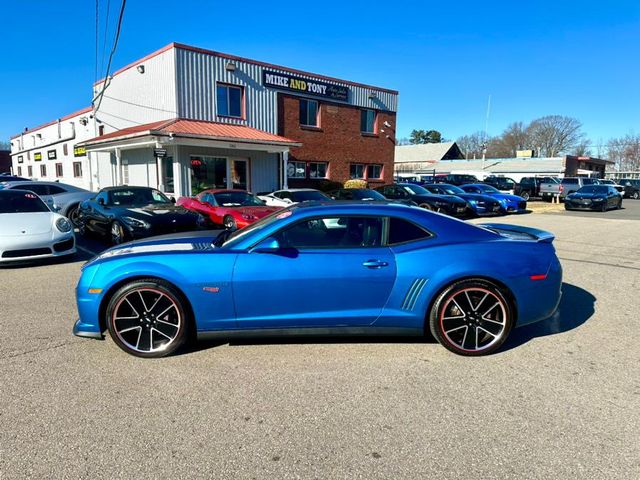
[[285, 81]]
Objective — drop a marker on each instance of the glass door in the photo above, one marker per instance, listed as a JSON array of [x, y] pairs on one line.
[[239, 174]]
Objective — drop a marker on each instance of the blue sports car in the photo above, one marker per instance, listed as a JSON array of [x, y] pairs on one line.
[[324, 268], [479, 204], [510, 203]]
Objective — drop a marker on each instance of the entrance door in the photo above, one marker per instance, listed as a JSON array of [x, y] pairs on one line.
[[208, 172], [239, 174]]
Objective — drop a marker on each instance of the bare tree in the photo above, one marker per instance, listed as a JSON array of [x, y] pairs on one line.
[[554, 135], [5, 145], [515, 137], [471, 145], [625, 152]]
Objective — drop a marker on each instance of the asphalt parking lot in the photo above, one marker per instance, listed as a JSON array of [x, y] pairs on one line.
[[560, 400]]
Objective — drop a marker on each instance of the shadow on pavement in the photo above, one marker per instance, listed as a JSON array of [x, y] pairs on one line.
[[576, 307]]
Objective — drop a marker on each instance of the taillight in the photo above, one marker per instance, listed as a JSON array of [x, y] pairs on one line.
[[561, 189]]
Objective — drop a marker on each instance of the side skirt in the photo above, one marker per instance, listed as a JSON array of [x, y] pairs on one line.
[[312, 331]]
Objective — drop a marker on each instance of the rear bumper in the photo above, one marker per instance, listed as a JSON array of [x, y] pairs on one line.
[[540, 299]]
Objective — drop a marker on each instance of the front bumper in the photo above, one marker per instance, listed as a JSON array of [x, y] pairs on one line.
[[583, 205], [37, 247]]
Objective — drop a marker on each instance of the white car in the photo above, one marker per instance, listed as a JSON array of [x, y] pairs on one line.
[[284, 198], [30, 231]]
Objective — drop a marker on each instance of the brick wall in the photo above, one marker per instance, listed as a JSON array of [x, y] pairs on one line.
[[337, 140]]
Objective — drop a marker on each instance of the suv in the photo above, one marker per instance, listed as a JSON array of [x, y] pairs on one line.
[[631, 187], [530, 186], [504, 184], [456, 179]]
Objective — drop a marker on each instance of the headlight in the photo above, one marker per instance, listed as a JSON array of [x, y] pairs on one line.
[[598, 199], [135, 222], [63, 225], [473, 202]]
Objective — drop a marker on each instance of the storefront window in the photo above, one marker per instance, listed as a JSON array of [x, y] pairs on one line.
[[297, 170], [308, 113], [374, 172], [367, 121], [208, 172], [229, 101], [318, 169], [167, 178], [356, 171]]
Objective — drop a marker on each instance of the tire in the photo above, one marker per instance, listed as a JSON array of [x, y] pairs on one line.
[[116, 233], [72, 215], [619, 206], [229, 223], [604, 206], [148, 318], [427, 206], [525, 195], [458, 311], [566, 207], [636, 195]]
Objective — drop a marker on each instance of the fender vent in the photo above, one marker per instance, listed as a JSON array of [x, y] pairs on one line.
[[412, 295]]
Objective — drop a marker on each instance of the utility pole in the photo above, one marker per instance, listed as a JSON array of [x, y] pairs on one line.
[[486, 135]]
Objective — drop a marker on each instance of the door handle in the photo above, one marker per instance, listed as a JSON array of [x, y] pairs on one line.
[[375, 264]]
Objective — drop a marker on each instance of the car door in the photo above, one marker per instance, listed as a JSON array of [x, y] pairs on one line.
[[330, 271]]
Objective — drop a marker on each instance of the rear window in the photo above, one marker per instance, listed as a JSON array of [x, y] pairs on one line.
[[570, 181], [401, 231], [21, 202], [589, 181]]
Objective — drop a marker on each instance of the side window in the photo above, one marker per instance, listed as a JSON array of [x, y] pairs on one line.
[[402, 231], [333, 232], [38, 189], [56, 190]]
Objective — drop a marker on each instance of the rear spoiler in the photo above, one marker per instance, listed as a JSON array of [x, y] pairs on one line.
[[521, 233]]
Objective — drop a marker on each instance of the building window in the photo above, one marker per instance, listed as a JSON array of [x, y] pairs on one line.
[[318, 169], [65, 149], [101, 130], [125, 173], [43, 170], [19, 171], [58, 170], [297, 170], [368, 121], [308, 113], [356, 171], [30, 171], [374, 172], [77, 169], [229, 101]]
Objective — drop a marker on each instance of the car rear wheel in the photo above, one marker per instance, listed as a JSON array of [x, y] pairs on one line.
[[604, 206], [619, 206], [147, 318], [471, 317], [525, 195], [229, 223], [72, 215], [117, 233], [636, 195]]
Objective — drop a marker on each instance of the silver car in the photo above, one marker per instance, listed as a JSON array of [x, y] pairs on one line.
[[59, 197]]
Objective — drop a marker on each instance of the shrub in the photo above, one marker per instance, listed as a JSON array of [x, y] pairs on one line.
[[355, 184]]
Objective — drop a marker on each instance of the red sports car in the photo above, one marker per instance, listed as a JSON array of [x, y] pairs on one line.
[[230, 208]]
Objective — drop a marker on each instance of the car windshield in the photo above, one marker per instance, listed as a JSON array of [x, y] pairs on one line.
[[416, 190], [127, 197], [225, 237], [367, 195], [16, 201], [452, 189], [305, 195], [487, 189], [594, 189], [237, 199]]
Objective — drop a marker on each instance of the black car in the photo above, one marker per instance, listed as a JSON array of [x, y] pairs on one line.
[[529, 187], [456, 179], [5, 177], [363, 194], [631, 187], [449, 204], [594, 197], [124, 213], [504, 184]]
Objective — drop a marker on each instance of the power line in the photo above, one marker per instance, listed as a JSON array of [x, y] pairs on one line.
[[106, 33], [95, 74], [113, 51]]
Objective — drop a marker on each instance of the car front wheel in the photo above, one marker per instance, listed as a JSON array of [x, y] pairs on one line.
[[471, 317], [117, 233], [525, 195], [636, 195], [147, 318], [230, 223]]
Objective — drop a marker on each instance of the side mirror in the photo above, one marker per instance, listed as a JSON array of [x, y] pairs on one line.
[[101, 201], [268, 245], [173, 199]]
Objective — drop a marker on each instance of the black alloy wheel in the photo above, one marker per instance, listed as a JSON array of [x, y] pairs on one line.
[[73, 215], [148, 318], [471, 317]]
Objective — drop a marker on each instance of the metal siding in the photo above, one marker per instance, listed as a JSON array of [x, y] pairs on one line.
[[197, 74]]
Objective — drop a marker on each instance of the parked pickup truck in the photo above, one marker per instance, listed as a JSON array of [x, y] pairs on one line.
[[529, 187], [631, 187], [566, 186]]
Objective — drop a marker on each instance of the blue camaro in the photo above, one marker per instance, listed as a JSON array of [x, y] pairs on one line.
[[510, 203], [324, 268]]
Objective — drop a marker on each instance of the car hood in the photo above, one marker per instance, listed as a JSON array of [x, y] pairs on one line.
[[506, 196], [35, 223], [477, 197], [188, 242], [438, 198], [154, 212]]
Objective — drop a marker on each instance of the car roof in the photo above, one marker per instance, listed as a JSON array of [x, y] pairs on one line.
[[125, 187], [220, 190], [298, 190], [38, 182]]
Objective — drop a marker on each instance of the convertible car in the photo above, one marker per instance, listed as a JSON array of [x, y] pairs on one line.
[[125, 213], [230, 208], [324, 268]]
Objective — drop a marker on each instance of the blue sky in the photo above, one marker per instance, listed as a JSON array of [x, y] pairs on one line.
[[576, 58]]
